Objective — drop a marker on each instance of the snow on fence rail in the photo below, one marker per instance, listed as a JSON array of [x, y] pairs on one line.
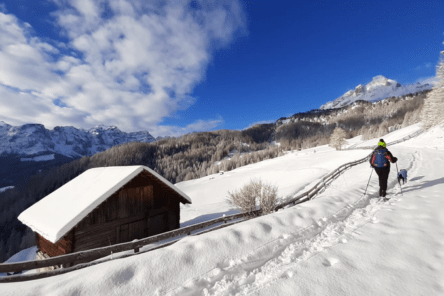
[[83, 259]]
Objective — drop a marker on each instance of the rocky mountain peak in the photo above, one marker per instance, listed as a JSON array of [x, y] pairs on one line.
[[359, 90], [379, 88], [66, 140]]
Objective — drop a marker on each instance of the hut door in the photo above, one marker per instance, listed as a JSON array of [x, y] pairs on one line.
[[124, 233], [131, 231], [157, 224]]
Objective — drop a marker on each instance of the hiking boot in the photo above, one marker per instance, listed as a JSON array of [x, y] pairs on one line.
[[383, 193]]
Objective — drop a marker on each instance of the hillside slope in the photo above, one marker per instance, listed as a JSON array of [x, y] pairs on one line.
[[342, 239]]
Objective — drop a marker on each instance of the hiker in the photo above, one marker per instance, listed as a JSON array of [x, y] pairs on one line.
[[380, 161]]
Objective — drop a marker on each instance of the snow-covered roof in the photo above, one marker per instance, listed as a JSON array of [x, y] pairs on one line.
[[56, 214]]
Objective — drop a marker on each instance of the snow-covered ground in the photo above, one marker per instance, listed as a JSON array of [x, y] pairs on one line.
[[433, 139], [340, 243], [357, 142], [24, 255], [293, 173]]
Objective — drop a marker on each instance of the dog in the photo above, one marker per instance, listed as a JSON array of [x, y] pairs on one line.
[[402, 175]]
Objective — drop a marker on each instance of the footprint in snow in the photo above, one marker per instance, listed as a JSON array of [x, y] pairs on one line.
[[287, 275], [330, 262]]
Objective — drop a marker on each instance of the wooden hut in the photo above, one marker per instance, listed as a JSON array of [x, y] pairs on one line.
[[102, 207]]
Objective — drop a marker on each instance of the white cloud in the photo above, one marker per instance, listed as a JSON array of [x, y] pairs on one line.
[[132, 68], [199, 125], [259, 122], [425, 65], [424, 80]]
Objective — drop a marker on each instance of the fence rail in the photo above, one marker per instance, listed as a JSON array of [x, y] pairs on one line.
[[80, 258], [90, 255]]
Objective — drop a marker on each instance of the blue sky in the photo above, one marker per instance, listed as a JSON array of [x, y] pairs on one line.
[[173, 67]]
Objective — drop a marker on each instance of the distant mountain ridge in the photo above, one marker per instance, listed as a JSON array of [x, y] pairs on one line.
[[378, 89], [30, 139]]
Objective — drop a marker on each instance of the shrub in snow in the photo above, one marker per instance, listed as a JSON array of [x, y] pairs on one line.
[[252, 193], [267, 198]]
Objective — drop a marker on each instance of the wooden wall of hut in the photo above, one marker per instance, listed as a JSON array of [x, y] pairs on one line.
[[62, 247], [143, 207]]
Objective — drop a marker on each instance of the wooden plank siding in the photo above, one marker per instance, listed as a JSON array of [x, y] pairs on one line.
[[145, 206], [62, 247]]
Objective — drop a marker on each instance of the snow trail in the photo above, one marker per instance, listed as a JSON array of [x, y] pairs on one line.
[[247, 275], [277, 259]]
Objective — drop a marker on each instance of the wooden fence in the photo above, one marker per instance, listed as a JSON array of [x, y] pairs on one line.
[[94, 254], [83, 259]]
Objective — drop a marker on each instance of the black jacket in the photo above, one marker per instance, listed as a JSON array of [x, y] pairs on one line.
[[391, 158]]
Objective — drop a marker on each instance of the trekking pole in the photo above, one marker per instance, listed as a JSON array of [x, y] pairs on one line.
[[398, 175], [368, 182]]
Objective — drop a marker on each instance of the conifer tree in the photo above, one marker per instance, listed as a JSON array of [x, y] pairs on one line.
[[433, 109], [337, 139]]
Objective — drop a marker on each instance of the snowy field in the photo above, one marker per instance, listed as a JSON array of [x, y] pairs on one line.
[[340, 243], [24, 255], [293, 174], [390, 137]]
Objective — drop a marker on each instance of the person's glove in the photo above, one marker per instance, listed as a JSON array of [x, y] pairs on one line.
[[395, 159]]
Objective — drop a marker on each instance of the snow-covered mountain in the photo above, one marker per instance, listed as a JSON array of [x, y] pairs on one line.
[[328, 116], [30, 139], [378, 89]]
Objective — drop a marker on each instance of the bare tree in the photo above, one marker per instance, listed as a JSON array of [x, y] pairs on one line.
[[337, 139], [383, 129], [253, 193]]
